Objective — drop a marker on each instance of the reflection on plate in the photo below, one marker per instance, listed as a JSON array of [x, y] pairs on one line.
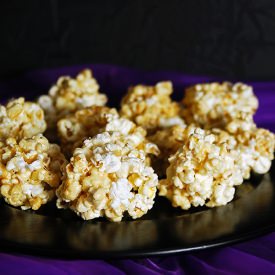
[[163, 230]]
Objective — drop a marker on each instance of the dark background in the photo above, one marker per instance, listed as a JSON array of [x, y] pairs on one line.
[[226, 38]]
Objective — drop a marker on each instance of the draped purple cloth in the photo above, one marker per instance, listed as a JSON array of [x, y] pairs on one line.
[[253, 257]]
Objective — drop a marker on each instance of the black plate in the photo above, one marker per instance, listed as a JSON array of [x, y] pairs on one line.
[[164, 230]]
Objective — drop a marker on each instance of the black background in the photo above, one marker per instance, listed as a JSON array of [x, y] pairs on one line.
[[227, 38]]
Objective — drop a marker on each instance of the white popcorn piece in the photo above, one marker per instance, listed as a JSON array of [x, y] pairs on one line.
[[31, 170], [201, 172], [151, 106], [20, 118], [69, 95], [108, 177], [215, 105]]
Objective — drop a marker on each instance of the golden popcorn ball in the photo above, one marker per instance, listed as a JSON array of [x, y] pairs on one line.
[[20, 118], [30, 171], [216, 105], [171, 139], [201, 172], [255, 151], [69, 95], [151, 106], [84, 123], [108, 176]]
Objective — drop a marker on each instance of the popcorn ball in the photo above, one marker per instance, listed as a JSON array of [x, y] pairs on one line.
[[151, 106], [20, 118], [108, 176], [69, 95], [83, 124], [171, 139], [30, 171], [255, 151], [201, 172], [216, 105]]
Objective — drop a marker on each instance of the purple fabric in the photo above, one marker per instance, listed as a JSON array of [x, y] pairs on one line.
[[253, 257]]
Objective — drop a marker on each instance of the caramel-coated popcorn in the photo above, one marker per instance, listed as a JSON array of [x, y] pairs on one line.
[[30, 171], [151, 106], [108, 177], [69, 95], [201, 172], [20, 118], [216, 105]]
